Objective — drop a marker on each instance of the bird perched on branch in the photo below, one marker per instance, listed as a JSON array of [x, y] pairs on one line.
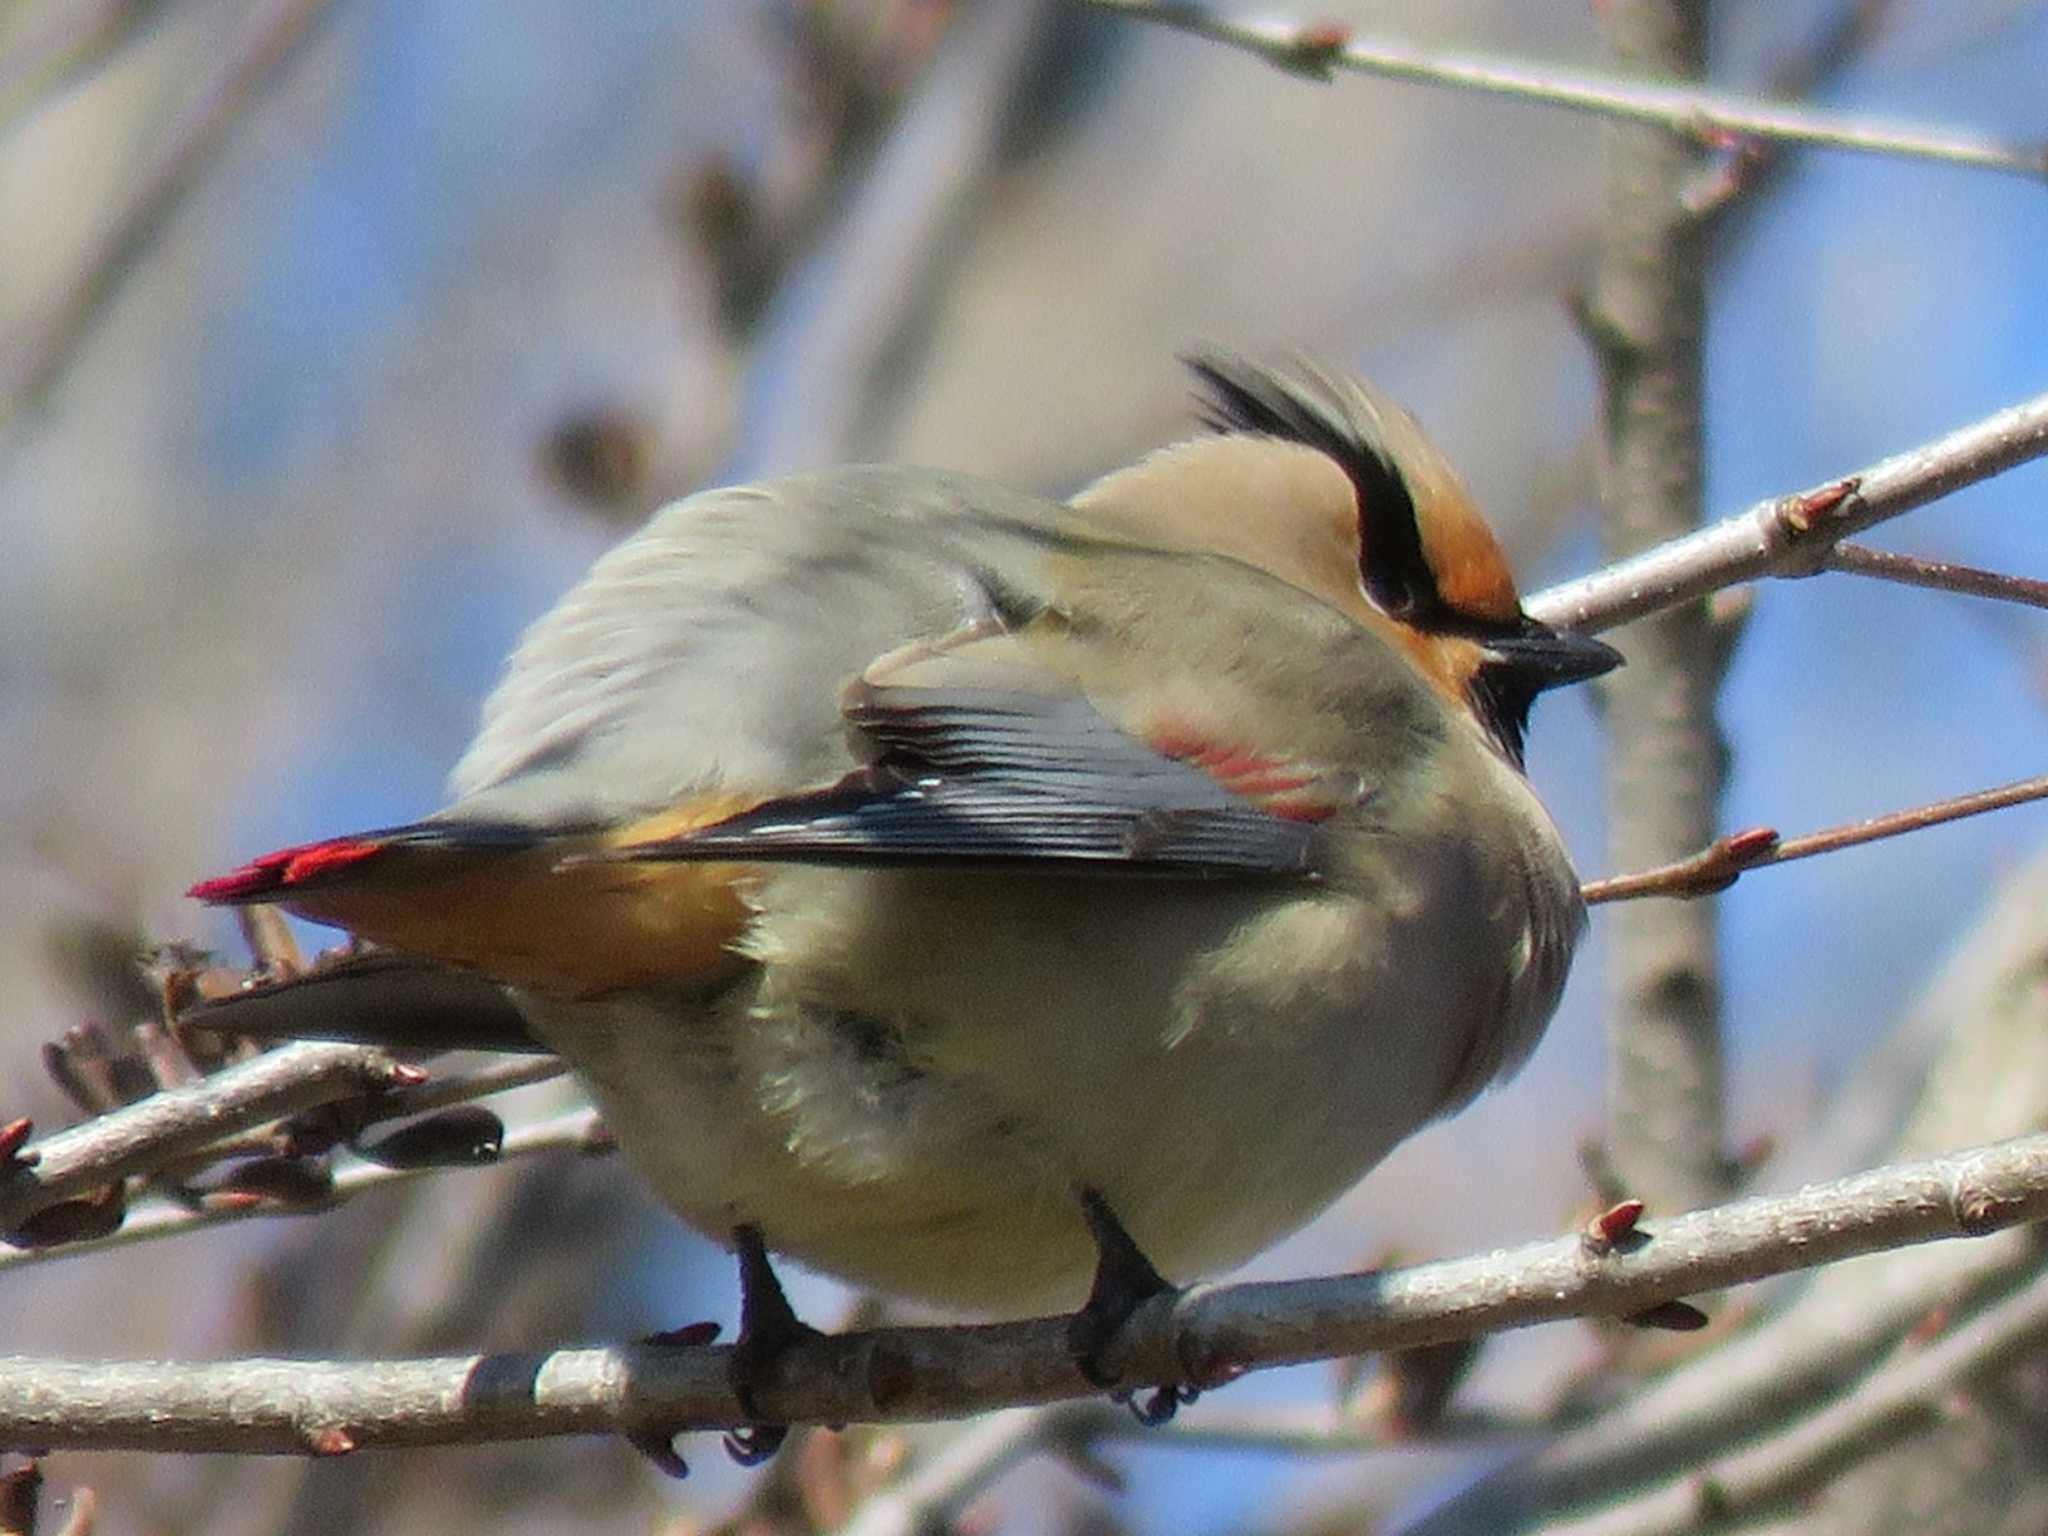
[[970, 894]]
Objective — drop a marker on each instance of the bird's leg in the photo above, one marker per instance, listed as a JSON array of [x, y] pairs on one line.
[[1124, 1280], [769, 1327]]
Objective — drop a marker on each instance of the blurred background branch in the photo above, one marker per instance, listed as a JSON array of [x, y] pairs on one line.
[[1316, 48], [265, 40]]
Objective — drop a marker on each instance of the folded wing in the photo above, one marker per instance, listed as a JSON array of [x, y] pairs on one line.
[[974, 755]]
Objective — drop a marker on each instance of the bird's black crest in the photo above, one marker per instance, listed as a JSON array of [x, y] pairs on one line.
[[1239, 396]]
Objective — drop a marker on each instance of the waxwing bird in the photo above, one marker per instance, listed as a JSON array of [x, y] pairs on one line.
[[971, 894]]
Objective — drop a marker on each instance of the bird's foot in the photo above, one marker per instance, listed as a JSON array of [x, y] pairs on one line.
[[659, 1445], [1124, 1281], [769, 1327]]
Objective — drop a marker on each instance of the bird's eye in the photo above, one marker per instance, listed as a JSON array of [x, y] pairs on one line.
[[1396, 602], [1390, 561]]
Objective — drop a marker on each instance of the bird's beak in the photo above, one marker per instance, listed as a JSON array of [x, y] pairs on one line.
[[1553, 658]]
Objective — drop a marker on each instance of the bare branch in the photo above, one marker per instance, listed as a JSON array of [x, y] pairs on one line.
[[1734, 183], [1207, 1334], [1666, 756], [1725, 860], [1714, 868], [446, 1088], [1712, 118], [579, 1131], [1795, 535], [1940, 575], [166, 1125]]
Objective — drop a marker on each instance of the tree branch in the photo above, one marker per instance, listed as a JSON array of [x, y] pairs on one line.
[[1721, 863], [1843, 40], [177, 1121], [1937, 575], [1794, 535], [1666, 758], [579, 1131], [1206, 1335], [1710, 118]]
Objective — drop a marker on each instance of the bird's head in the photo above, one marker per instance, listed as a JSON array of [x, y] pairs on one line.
[[1333, 488]]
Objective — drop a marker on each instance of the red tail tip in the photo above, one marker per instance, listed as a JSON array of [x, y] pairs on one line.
[[287, 867]]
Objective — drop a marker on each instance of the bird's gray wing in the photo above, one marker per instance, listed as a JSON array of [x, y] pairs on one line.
[[708, 649], [973, 761]]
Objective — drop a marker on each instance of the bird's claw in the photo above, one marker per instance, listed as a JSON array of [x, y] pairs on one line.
[[752, 1444], [1158, 1408]]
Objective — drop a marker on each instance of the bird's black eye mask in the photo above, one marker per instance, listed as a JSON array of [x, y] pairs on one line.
[[1238, 397], [1522, 657]]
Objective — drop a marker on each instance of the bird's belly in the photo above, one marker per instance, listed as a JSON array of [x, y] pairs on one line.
[[917, 1079], [912, 1184]]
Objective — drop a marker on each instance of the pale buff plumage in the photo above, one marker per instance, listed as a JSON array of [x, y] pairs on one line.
[[902, 1074]]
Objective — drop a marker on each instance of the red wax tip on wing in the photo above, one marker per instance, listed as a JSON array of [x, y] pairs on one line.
[[287, 866], [1262, 779], [1275, 782], [1300, 808]]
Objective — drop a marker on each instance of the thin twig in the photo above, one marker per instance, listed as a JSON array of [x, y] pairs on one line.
[[1206, 1334], [1939, 575], [1897, 822], [1713, 118], [446, 1088], [177, 1121], [1794, 535], [1726, 859], [1745, 172], [439, 1092], [579, 1131]]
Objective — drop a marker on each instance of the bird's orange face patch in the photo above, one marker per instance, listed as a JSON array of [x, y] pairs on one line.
[[1448, 663], [1471, 570]]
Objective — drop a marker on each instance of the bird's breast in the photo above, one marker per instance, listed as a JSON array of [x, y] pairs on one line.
[[1227, 1059]]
